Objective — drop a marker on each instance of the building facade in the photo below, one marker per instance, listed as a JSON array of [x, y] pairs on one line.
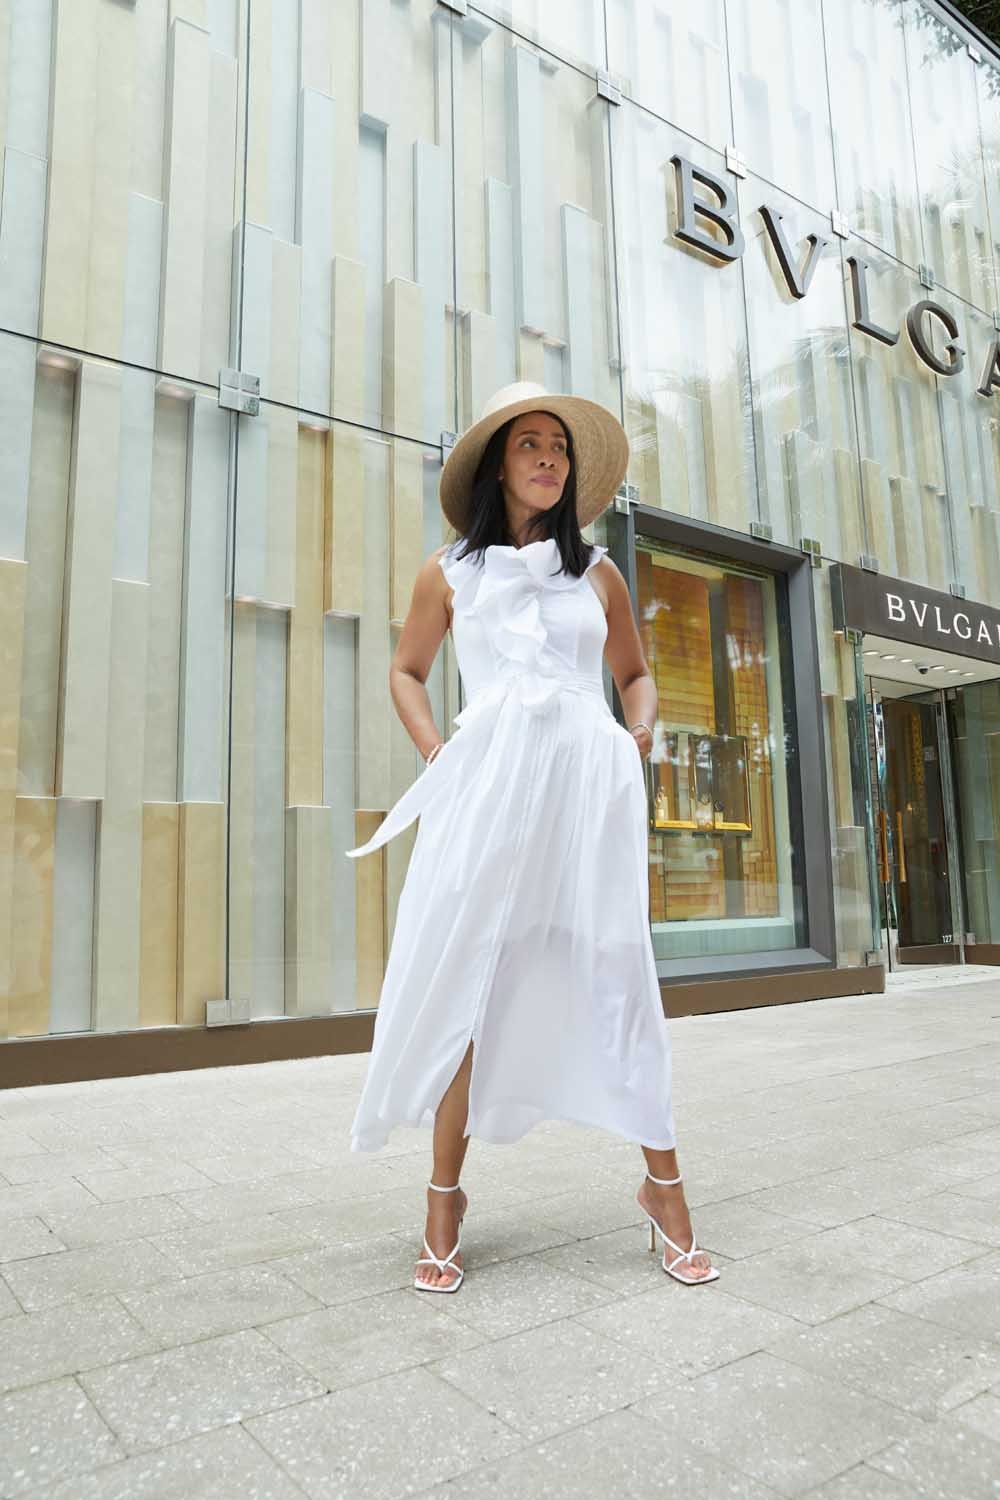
[[260, 260]]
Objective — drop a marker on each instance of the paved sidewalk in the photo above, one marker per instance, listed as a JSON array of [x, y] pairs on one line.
[[203, 1293]]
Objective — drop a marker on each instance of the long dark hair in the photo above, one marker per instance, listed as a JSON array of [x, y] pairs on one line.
[[488, 514]]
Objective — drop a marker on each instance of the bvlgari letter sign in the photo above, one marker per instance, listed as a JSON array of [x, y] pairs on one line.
[[721, 217], [878, 605]]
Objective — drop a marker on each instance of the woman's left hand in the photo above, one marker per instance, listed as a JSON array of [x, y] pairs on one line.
[[643, 739]]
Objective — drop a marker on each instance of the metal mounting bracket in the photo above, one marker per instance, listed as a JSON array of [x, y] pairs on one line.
[[240, 392], [607, 88]]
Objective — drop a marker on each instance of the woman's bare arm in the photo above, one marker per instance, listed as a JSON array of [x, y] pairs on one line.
[[624, 653], [424, 628]]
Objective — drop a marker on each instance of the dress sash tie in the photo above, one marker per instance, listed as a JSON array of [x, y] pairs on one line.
[[536, 692]]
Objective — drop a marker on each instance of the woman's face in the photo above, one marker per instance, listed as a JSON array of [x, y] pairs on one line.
[[535, 461]]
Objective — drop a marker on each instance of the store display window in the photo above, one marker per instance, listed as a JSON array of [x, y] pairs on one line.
[[720, 830]]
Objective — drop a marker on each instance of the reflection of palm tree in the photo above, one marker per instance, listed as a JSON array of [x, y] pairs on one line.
[[947, 42]]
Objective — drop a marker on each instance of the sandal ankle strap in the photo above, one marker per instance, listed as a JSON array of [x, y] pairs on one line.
[[663, 1181], [443, 1189]]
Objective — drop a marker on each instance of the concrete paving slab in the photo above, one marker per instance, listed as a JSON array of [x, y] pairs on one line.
[[840, 1162]]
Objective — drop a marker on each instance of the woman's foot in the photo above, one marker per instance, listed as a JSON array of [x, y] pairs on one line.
[[667, 1206], [443, 1213]]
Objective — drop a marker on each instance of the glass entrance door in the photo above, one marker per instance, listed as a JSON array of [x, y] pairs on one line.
[[917, 830]]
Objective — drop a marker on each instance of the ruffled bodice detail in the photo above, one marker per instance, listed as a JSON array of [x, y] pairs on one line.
[[509, 622]]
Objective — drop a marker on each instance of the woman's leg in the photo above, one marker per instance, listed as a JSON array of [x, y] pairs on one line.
[[450, 1145], [668, 1208]]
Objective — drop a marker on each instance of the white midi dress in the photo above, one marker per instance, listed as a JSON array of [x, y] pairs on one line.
[[523, 921]]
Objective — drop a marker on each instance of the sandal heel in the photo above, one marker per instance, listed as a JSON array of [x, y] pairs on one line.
[[686, 1255], [448, 1263]]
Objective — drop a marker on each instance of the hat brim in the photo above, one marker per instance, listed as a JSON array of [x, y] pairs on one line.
[[600, 450]]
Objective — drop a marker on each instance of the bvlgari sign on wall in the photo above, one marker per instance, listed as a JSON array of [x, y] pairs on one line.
[[878, 605], [926, 321]]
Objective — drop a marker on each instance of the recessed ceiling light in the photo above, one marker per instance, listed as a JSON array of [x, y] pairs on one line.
[[905, 661], [968, 674], [937, 667], [888, 658], [873, 652], [953, 672]]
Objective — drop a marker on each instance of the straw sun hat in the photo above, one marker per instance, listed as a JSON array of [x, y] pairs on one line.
[[600, 449]]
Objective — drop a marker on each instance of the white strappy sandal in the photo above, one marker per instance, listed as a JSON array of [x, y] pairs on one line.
[[688, 1255], [442, 1265]]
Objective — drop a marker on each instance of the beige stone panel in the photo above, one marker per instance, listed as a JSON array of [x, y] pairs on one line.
[[148, 121], [81, 749], [826, 641], [30, 995], [840, 758], [158, 922], [877, 511], [725, 458], [51, 459], [281, 556], [5, 21], [937, 539], [983, 557], [13, 590], [845, 478], [223, 192], [344, 532], [166, 572], [194, 11], [201, 915], [115, 90], [345, 90], [406, 523], [69, 228], [322, 32], [345, 527], [530, 358], [909, 534], [186, 153], [348, 340], [668, 470], [371, 937], [308, 911], [286, 295], [304, 694], [118, 895], [258, 165], [479, 362], [854, 924], [402, 357], [804, 482], [242, 802]]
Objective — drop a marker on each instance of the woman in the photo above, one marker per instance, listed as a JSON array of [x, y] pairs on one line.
[[521, 983]]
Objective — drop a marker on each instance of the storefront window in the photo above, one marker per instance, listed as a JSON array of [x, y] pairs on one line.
[[721, 876]]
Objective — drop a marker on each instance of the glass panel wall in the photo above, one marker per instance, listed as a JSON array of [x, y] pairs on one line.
[[571, 30], [670, 57], [781, 116], [113, 591], [908, 522], [536, 285], [872, 125], [947, 149], [687, 393], [435, 205], [802, 397]]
